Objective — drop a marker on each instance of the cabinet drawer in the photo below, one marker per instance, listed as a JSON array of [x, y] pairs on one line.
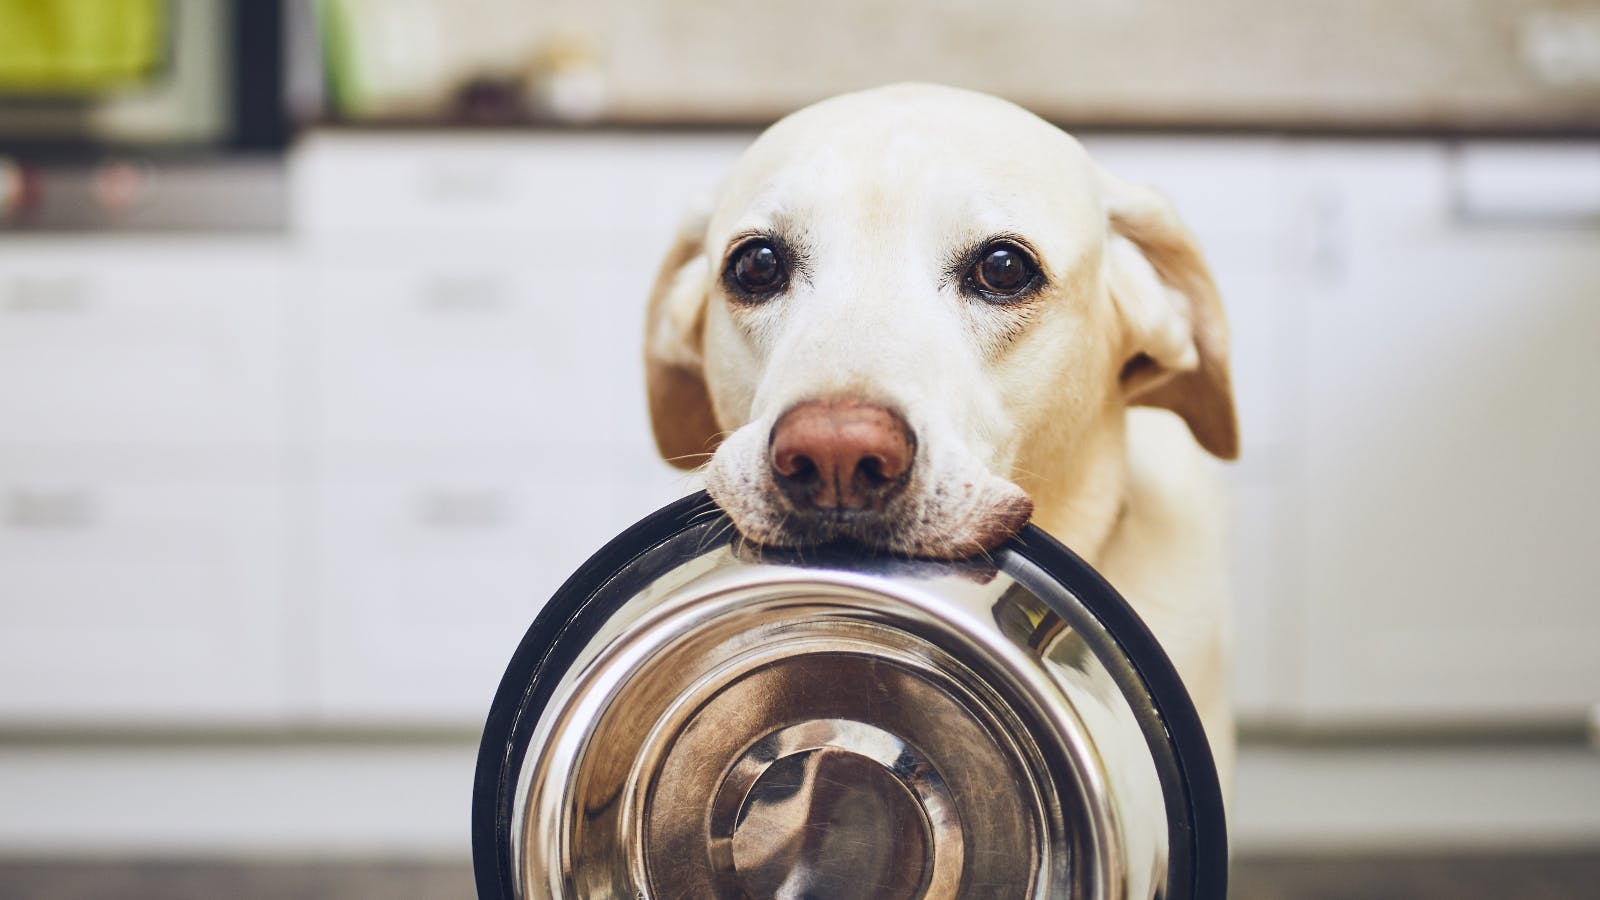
[[506, 185], [1450, 445], [1266, 603], [429, 573], [160, 342], [145, 603], [473, 350]]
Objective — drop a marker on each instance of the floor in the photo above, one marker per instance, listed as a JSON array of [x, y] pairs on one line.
[[1574, 875]]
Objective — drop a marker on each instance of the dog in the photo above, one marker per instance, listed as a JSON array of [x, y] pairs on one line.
[[915, 317]]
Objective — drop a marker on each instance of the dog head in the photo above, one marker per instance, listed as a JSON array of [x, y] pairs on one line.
[[911, 308]]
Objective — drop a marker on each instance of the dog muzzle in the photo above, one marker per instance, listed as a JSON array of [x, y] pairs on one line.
[[689, 718]]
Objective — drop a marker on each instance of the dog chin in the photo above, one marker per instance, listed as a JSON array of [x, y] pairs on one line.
[[956, 521]]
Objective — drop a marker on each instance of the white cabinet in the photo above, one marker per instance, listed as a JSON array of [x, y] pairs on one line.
[[142, 505], [141, 497], [1451, 436], [476, 309], [1414, 349], [140, 340], [432, 565], [130, 601], [503, 188], [462, 348]]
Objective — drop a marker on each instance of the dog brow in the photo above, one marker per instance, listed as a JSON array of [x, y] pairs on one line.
[[784, 230]]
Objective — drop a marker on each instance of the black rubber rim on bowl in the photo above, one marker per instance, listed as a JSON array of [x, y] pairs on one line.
[[1197, 825]]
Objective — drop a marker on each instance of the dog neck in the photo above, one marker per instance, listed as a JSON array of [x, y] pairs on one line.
[[1080, 495]]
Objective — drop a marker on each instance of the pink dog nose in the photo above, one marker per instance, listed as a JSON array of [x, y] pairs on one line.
[[830, 455]]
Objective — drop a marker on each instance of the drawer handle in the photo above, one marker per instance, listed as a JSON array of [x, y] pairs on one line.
[[1555, 186], [464, 509], [465, 293], [63, 509], [64, 294], [476, 185]]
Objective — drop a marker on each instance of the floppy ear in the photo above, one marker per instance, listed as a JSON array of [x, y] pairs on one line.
[[680, 406], [1176, 352]]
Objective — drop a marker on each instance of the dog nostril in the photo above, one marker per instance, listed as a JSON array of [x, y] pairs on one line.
[[872, 468], [793, 464], [800, 468]]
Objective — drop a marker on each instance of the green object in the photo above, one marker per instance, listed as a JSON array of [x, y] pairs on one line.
[[80, 46], [339, 55]]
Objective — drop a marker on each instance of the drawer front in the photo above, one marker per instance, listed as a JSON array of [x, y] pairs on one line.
[[1266, 608], [145, 603], [545, 349], [501, 185], [1450, 442], [430, 572], [168, 343]]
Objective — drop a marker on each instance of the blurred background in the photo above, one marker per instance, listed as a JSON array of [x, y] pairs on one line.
[[319, 370]]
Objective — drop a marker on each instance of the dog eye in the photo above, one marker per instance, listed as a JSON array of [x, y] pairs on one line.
[[1003, 271], [757, 269]]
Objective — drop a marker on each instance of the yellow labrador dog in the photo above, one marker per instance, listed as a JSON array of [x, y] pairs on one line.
[[916, 316]]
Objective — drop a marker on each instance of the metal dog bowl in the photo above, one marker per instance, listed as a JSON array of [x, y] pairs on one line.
[[691, 718]]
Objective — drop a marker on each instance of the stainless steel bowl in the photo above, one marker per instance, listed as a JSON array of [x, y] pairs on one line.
[[689, 717]]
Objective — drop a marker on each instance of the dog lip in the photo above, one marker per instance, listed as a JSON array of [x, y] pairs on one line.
[[891, 530], [864, 524], [1005, 521], [961, 510]]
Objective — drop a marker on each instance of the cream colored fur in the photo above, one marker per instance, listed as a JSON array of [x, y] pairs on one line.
[[1008, 402]]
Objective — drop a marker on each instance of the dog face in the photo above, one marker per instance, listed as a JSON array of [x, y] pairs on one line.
[[910, 312]]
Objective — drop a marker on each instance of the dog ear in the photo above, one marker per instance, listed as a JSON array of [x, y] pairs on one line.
[[1176, 354], [680, 405]]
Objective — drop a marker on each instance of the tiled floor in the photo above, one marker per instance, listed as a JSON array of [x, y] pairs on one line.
[[1567, 876]]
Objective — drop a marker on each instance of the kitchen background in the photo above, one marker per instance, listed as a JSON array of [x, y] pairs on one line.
[[319, 370]]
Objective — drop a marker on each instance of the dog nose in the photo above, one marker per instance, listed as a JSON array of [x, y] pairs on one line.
[[840, 455]]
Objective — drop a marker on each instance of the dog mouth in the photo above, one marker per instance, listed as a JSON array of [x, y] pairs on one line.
[[869, 528], [845, 471], [945, 522]]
